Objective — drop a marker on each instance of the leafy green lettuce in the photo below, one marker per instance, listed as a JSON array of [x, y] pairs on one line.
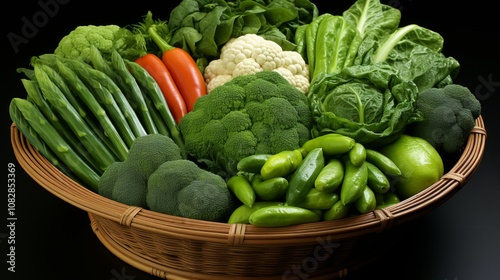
[[202, 27], [368, 103], [373, 98]]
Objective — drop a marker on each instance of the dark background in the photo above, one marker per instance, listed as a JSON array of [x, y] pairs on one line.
[[457, 241]]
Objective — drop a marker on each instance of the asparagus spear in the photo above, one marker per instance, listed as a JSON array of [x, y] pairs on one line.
[[30, 134], [152, 89], [113, 97], [77, 85], [120, 67], [35, 96], [99, 87], [48, 63], [103, 65], [51, 137], [98, 150], [155, 115]]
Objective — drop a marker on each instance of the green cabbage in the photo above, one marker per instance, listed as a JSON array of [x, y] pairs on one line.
[[367, 103], [373, 99]]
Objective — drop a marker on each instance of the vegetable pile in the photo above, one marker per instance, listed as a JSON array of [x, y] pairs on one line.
[[322, 180], [264, 112]]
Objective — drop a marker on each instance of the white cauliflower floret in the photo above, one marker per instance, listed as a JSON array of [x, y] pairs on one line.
[[302, 83], [287, 74], [217, 81], [251, 53], [296, 64], [246, 66]]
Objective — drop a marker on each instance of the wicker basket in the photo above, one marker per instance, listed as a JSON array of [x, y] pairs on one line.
[[178, 248]]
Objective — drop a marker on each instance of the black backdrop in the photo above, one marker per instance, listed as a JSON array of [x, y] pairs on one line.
[[457, 241]]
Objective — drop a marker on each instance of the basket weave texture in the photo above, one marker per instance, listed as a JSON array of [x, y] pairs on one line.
[[172, 247]]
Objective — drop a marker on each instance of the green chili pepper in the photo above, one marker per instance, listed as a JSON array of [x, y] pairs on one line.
[[240, 186], [382, 162], [282, 215], [281, 164], [241, 214], [377, 180], [355, 180], [357, 154], [252, 163], [339, 210], [332, 144], [330, 177], [367, 202], [303, 178], [318, 200], [270, 189], [386, 199]]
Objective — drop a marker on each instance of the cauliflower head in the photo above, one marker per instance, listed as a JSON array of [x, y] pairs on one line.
[[251, 114], [105, 37], [251, 53]]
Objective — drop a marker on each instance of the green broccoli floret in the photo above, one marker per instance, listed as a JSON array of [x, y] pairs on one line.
[[105, 37], [149, 151], [258, 113], [448, 116], [182, 188], [130, 186], [107, 180], [126, 181]]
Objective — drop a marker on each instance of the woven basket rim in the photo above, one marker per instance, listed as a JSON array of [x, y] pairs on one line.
[[60, 185]]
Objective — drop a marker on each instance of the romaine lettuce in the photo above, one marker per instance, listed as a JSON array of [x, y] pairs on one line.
[[373, 98]]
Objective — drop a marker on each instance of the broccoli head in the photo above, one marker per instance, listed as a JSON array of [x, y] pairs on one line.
[[182, 188], [256, 113], [77, 43], [149, 151], [126, 181], [448, 116]]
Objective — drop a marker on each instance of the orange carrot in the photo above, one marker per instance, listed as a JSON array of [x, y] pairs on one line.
[[157, 69], [183, 68]]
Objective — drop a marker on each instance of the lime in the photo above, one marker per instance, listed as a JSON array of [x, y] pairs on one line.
[[419, 162]]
